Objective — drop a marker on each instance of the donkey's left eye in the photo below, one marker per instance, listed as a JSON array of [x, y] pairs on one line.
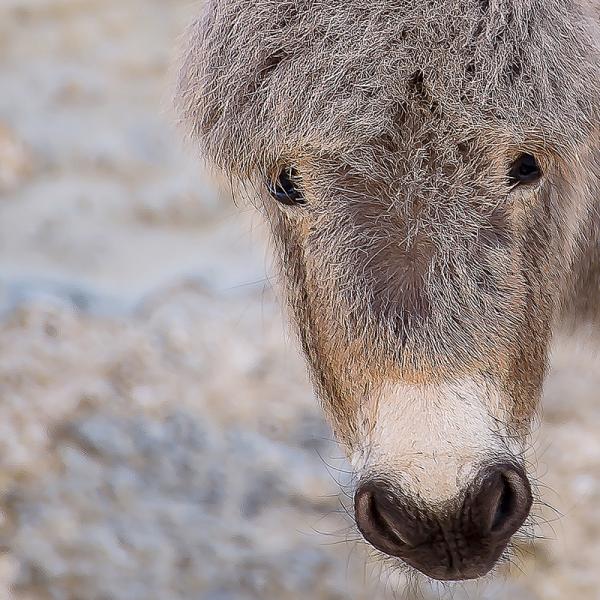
[[524, 170], [285, 187]]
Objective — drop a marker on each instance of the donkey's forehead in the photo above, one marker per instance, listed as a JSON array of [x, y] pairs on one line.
[[263, 79]]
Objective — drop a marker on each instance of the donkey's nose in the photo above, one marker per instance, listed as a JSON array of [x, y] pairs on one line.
[[462, 540]]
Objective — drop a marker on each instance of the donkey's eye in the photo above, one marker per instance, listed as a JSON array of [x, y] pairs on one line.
[[285, 188], [524, 170]]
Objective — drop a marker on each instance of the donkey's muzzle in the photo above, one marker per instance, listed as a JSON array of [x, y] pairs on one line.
[[462, 540]]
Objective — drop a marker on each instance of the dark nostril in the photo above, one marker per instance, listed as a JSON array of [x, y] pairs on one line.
[[502, 501], [505, 507], [381, 519]]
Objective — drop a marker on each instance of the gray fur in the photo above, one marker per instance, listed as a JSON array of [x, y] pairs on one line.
[[413, 259]]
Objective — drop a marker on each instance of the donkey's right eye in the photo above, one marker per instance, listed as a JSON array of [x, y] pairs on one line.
[[285, 187], [525, 169]]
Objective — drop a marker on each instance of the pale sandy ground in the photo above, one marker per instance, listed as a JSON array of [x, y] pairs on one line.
[[158, 437]]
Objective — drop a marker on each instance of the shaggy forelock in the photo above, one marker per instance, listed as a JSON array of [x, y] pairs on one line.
[[268, 80]]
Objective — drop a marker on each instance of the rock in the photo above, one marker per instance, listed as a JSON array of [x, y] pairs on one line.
[[136, 509]]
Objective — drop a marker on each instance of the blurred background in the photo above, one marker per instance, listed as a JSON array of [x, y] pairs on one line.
[[159, 439]]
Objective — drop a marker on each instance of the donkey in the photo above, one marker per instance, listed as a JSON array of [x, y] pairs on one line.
[[430, 171]]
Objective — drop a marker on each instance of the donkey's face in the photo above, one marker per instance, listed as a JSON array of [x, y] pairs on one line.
[[425, 168], [423, 298]]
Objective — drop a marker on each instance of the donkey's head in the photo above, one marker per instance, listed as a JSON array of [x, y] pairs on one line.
[[426, 169]]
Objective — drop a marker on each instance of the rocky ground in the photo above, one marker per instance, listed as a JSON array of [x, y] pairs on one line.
[[158, 436]]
